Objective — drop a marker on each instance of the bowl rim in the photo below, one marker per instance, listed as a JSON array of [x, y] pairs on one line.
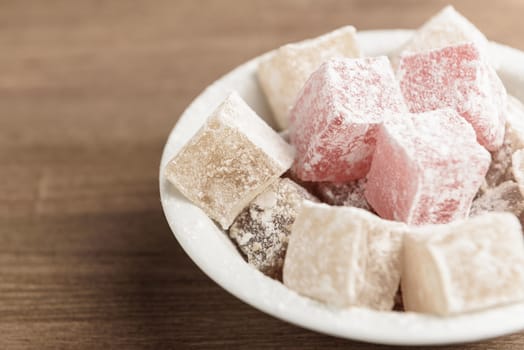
[[193, 232]]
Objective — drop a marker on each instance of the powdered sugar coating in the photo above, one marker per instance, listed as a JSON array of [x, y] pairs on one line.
[[426, 168], [506, 197], [262, 230], [448, 27], [337, 114], [231, 159], [464, 266], [457, 77], [350, 194], [500, 169], [283, 74], [344, 256]]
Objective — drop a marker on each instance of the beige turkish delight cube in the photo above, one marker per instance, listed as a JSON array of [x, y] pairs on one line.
[[447, 28], [344, 256], [463, 266], [230, 160], [262, 230], [284, 73]]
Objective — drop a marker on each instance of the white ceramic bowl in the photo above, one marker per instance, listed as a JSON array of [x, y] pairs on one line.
[[216, 255]]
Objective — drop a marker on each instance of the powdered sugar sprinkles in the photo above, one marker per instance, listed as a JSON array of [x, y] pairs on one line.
[[263, 219]]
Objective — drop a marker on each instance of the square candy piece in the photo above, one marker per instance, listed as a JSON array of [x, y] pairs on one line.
[[230, 160], [344, 256], [262, 229], [336, 117], [426, 168], [457, 77], [284, 73], [463, 266], [446, 28]]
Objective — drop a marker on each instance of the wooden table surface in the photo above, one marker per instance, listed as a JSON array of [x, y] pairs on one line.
[[89, 91]]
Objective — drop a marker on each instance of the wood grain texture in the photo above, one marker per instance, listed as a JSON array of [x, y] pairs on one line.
[[89, 91]]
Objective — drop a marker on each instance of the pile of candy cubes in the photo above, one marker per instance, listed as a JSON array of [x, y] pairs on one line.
[[401, 174]]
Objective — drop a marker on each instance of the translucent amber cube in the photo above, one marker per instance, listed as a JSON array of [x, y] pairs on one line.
[[230, 160]]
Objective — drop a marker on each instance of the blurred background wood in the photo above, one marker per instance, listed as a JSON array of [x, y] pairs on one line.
[[89, 91]]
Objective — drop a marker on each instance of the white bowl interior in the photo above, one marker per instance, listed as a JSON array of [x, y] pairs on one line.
[[216, 255]]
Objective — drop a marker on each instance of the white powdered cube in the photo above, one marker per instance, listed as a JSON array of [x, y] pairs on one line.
[[344, 256], [232, 158], [447, 28], [284, 73], [463, 266]]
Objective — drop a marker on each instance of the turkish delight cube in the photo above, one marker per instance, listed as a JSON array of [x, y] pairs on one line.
[[426, 168], [456, 77], [344, 256], [232, 158], [463, 266], [262, 229], [336, 117], [284, 73], [447, 28]]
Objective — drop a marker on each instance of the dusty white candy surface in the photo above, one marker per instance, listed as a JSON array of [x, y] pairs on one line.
[[448, 27], [230, 160], [262, 230], [426, 168], [344, 256], [504, 197], [463, 266], [334, 122], [283, 75]]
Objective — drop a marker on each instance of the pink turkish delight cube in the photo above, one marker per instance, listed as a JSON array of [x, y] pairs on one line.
[[336, 117], [426, 168], [457, 77]]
